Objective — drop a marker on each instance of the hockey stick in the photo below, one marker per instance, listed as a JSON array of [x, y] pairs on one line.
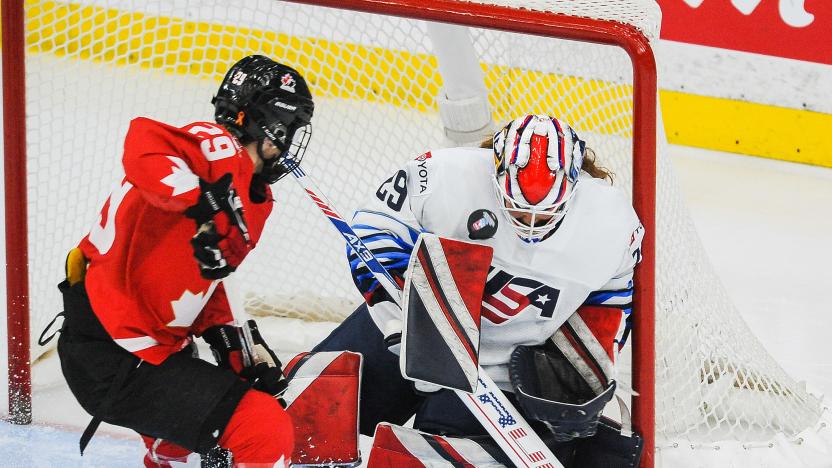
[[241, 318], [488, 403]]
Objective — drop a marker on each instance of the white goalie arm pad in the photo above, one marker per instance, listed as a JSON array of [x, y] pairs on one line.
[[465, 120]]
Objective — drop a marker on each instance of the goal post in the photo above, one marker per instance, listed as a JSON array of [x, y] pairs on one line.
[[16, 219]]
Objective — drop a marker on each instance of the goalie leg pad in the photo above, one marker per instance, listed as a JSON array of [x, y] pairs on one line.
[[385, 395], [400, 447], [322, 399]]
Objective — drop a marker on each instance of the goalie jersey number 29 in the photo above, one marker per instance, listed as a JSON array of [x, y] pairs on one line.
[[531, 288]]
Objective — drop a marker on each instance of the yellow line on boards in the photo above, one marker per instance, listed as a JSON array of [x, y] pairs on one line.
[[748, 128]]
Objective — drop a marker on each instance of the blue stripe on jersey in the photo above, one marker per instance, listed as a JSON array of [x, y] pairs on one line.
[[414, 233], [383, 244], [600, 297], [389, 260], [374, 236], [391, 250]]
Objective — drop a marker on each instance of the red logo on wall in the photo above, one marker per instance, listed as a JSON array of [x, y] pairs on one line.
[[795, 29]]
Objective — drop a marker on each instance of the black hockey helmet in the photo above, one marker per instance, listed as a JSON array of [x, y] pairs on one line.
[[261, 99]]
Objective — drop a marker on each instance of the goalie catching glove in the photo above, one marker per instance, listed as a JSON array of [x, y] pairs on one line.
[[550, 390], [222, 240], [259, 365]]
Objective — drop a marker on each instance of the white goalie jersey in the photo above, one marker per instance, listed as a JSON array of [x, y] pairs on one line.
[[532, 289]]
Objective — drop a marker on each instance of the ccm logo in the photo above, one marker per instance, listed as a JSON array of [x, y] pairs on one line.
[[507, 295]]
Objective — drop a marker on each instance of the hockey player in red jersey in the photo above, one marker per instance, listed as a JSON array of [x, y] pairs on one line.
[[147, 278]]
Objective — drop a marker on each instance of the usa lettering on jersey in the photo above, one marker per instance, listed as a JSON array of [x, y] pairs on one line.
[[506, 296]]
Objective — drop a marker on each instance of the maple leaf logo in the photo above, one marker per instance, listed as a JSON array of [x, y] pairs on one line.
[[181, 179], [189, 305]]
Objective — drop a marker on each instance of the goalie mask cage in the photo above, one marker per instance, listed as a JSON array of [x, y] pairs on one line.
[[76, 72]]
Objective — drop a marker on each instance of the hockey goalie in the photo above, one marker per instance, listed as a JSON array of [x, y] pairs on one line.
[[539, 312]]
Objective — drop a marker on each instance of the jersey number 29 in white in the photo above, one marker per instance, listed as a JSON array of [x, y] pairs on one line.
[[219, 147]]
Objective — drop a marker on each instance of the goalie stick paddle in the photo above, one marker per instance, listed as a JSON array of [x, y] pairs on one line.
[[488, 403]]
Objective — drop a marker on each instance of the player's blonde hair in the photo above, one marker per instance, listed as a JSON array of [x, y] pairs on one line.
[[589, 165]]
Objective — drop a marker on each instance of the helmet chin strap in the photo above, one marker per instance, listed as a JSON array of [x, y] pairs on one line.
[[267, 170], [260, 143]]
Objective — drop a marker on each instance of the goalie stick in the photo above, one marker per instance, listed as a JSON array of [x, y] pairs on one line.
[[488, 403]]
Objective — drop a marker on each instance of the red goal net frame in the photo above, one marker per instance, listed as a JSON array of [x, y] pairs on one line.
[[624, 36]]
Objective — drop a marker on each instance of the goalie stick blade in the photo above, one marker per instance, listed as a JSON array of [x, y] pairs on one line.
[[443, 294], [402, 447]]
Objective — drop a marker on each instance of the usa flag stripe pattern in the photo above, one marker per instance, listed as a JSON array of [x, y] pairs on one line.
[[517, 433], [536, 456]]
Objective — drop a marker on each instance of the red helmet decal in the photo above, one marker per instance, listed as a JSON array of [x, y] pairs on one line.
[[536, 179]]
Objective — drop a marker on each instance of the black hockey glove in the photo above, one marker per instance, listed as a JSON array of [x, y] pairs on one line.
[[266, 371], [222, 239], [257, 364]]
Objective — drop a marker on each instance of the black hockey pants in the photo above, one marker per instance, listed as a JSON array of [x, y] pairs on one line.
[[184, 400]]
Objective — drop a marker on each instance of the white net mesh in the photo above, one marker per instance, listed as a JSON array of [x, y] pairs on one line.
[[643, 14], [94, 65]]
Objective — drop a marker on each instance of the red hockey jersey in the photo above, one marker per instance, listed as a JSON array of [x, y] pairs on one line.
[[143, 281]]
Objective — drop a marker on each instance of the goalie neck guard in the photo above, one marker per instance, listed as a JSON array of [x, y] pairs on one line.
[[538, 160], [261, 99]]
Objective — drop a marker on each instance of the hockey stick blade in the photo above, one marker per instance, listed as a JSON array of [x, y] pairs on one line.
[[488, 403]]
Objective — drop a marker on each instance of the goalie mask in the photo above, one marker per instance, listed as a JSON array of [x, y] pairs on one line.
[[261, 99], [538, 160]]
